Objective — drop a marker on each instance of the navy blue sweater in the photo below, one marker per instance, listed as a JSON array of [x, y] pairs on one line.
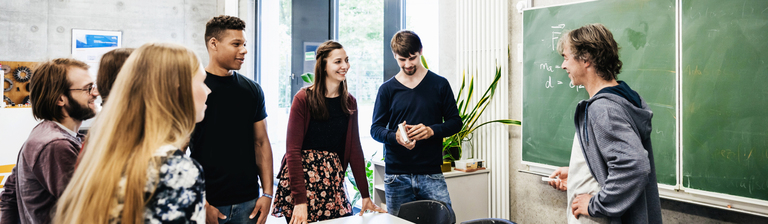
[[430, 103]]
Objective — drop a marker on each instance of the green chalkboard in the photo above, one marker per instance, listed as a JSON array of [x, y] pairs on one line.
[[645, 32], [725, 97]]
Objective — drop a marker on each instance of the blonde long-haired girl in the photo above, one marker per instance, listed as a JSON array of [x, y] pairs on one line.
[[132, 170]]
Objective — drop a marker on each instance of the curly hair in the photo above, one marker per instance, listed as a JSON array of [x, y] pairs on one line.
[[218, 25], [594, 43]]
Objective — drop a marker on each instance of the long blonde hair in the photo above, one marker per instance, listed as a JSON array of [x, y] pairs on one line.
[[151, 105]]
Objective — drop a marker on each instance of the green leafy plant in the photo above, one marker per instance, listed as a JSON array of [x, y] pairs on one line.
[[369, 177], [470, 113], [308, 77]]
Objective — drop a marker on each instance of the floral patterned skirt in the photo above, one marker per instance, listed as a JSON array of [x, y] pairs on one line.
[[324, 179]]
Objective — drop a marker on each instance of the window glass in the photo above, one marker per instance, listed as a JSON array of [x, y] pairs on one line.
[[275, 61], [361, 28]]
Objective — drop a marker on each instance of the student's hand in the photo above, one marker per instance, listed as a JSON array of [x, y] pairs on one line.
[[212, 214], [299, 215], [261, 210], [562, 182], [419, 132], [409, 145], [580, 205], [369, 205]]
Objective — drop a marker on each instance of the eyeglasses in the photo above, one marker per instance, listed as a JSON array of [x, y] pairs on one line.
[[90, 89]]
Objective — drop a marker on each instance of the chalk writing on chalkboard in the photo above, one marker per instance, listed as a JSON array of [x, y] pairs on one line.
[[556, 34]]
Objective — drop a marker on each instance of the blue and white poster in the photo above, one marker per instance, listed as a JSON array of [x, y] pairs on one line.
[[95, 41], [89, 45]]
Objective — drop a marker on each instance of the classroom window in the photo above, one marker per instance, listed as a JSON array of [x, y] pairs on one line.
[[275, 70], [361, 28]]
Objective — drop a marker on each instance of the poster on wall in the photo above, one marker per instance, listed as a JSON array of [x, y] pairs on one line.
[[89, 45]]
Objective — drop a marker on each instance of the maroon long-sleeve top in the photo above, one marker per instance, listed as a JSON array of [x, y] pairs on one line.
[[298, 122]]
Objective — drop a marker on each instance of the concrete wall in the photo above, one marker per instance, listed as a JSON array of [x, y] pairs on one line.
[[533, 201], [34, 30]]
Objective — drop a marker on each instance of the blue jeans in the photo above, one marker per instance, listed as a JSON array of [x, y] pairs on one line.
[[238, 213], [403, 188]]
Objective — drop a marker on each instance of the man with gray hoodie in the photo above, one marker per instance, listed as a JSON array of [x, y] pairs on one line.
[[611, 176]]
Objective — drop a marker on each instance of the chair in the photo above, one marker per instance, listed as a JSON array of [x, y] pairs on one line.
[[488, 221], [427, 212]]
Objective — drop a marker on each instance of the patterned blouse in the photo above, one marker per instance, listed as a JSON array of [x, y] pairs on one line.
[[178, 186]]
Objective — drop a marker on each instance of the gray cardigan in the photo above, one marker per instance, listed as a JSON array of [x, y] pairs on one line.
[[615, 139]]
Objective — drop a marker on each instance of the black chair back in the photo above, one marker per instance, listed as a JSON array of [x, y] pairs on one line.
[[427, 212], [488, 221]]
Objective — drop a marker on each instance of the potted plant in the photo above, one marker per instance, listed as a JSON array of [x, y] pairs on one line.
[[470, 114]]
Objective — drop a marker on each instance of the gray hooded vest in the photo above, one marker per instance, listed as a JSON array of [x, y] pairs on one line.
[[615, 139]]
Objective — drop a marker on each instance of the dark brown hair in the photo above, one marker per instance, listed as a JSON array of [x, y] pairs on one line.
[[109, 66], [49, 83], [405, 43], [218, 25], [316, 92], [594, 43]]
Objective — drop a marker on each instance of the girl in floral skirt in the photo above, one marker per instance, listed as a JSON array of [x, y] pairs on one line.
[[323, 138]]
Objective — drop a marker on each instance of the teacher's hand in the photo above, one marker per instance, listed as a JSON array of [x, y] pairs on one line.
[[561, 183]]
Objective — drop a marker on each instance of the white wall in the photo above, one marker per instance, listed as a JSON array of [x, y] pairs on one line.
[[447, 43]]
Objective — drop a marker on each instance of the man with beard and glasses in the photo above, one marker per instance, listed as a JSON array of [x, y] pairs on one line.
[[62, 95], [423, 102]]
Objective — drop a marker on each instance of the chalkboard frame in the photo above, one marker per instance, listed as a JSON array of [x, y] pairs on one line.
[[678, 191]]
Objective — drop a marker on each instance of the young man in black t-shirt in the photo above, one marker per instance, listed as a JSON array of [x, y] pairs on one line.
[[231, 143]]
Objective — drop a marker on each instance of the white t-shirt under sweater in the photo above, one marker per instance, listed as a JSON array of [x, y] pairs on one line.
[[580, 181]]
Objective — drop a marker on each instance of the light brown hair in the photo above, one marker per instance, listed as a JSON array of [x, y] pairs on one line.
[[594, 43], [317, 91], [49, 82], [110, 65], [151, 106], [405, 43]]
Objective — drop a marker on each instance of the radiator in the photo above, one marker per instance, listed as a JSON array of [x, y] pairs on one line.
[[482, 45]]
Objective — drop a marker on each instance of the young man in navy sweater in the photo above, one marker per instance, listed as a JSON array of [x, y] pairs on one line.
[[424, 103]]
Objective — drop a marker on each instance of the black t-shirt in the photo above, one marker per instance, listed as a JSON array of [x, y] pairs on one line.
[[328, 135], [223, 143]]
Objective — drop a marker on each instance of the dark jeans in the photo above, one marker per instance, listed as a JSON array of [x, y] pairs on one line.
[[238, 213], [402, 188]]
